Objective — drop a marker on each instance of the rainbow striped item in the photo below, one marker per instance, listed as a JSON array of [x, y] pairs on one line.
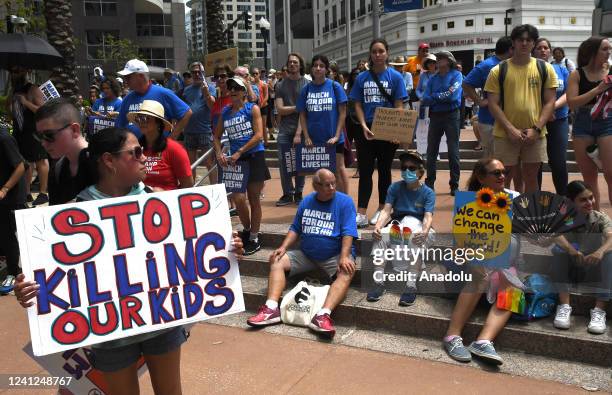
[[511, 299], [406, 233], [395, 234]]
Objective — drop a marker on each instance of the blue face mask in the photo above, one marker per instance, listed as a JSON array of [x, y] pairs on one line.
[[409, 176]]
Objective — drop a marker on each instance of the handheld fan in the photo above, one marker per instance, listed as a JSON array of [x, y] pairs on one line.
[[544, 213]]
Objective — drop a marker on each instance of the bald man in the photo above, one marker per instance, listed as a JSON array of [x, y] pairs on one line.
[[325, 224]]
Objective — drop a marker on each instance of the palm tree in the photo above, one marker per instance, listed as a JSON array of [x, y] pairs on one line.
[[58, 14], [214, 26]]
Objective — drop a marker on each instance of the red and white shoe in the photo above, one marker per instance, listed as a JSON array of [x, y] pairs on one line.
[[323, 324], [265, 316]]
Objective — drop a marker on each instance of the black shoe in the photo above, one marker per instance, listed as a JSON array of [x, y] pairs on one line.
[[297, 198], [251, 247], [42, 198], [285, 200], [29, 198], [408, 297], [244, 235], [376, 293]]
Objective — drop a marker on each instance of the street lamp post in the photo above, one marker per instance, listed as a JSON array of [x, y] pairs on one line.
[[264, 27], [508, 11]]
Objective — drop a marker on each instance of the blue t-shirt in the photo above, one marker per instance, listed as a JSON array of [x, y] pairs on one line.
[[320, 102], [562, 76], [443, 92], [174, 108], [105, 106], [367, 93], [239, 127], [199, 123], [410, 202], [477, 79], [321, 225], [423, 80]]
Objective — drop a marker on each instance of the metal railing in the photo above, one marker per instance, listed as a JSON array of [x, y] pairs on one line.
[[201, 159]]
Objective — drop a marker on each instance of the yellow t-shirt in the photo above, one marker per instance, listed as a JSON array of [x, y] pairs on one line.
[[413, 66], [522, 94]]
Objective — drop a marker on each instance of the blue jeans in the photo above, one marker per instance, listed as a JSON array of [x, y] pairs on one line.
[[443, 123], [556, 147], [286, 181]]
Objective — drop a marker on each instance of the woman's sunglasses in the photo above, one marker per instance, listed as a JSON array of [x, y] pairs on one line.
[[135, 152], [220, 77], [499, 173], [411, 168], [49, 134]]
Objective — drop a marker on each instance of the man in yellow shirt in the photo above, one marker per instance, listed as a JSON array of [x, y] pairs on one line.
[[520, 122], [414, 63]]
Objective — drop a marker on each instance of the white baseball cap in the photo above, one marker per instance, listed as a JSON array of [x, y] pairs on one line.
[[134, 66]]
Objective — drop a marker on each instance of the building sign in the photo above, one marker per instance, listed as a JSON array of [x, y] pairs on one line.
[[402, 5], [459, 43]]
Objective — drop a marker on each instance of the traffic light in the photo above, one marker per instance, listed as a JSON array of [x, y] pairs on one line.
[[248, 20], [230, 37]]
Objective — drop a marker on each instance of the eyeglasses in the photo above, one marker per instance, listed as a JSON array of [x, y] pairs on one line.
[[135, 152], [221, 77], [255, 73], [499, 173], [411, 168], [49, 134], [142, 118]]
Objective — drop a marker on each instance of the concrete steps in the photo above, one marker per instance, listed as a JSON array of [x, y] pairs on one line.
[[429, 317], [466, 153]]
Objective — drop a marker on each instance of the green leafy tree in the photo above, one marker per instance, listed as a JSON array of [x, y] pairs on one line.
[[29, 10], [117, 51]]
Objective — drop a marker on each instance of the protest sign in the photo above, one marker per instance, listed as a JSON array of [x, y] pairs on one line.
[[235, 177], [75, 372], [422, 132], [114, 268], [49, 91], [315, 157], [402, 5], [287, 164], [227, 56], [96, 123], [394, 124], [483, 220]]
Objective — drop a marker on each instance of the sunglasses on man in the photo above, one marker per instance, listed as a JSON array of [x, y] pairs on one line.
[[49, 134]]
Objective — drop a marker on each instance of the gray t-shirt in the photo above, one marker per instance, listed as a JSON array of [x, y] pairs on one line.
[[289, 90]]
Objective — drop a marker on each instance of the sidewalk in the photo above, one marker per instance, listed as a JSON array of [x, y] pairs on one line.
[[225, 360]]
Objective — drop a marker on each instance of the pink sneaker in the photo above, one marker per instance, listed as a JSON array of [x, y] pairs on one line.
[[323, 324], [265, 316]]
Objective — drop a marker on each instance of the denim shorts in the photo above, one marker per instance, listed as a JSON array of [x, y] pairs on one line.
[[584, 126], [114, 359], [198, 141]]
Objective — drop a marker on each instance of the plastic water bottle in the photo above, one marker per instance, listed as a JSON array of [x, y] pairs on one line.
[[593, 153]]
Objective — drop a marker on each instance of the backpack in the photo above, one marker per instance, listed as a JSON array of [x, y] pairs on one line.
[[540, 296], [503, 70]]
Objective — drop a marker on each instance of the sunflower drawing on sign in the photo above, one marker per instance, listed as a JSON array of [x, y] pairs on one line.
[[482, 221]]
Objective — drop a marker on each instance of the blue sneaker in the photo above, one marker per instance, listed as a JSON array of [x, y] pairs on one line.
[[456, 350], [408, 297], [376, 293], [486, 351], [7, 285]]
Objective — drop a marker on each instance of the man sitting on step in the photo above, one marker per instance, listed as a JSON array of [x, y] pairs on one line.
[[325, 224], [410, 206]]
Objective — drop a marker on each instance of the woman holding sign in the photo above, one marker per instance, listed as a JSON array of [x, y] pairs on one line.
[[118, 161], [167, 162], [242, 123], [381, 86], [488, 173], [322, 108]]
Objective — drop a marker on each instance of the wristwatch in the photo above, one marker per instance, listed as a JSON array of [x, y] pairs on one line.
[[537, 129]]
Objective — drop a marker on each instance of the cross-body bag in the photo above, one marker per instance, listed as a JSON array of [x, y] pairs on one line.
[[382, 90]]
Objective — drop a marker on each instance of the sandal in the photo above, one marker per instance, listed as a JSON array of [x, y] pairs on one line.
[[478, 147]]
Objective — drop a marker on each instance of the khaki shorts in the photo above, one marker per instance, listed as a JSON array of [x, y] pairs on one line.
[[512, 153], [486, 139]]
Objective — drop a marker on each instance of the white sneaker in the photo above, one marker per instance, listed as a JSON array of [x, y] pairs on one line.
[[597, 325], [562, 318], [374, 219], [362, 220]]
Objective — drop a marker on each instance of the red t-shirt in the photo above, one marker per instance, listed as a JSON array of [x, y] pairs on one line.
[[163, 171], [217, 109]]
